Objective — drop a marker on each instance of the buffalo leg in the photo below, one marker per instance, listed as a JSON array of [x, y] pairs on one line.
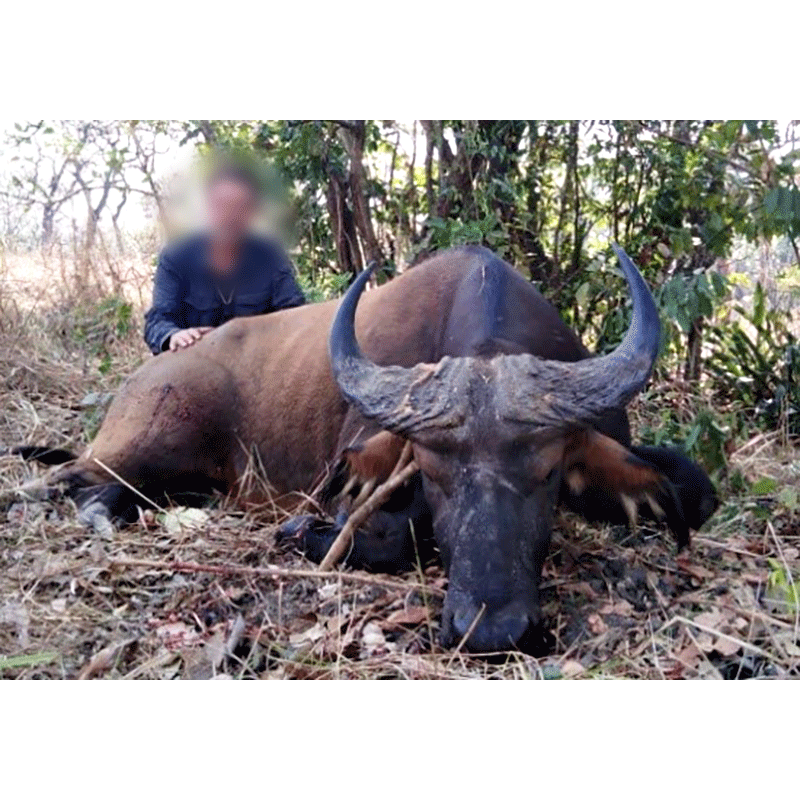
[[395, 539], [100, 506]]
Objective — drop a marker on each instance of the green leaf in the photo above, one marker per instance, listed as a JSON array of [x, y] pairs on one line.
[[719, 283], [771, 199], [789, 498], [764, 486], [759, 307], [31, 660]]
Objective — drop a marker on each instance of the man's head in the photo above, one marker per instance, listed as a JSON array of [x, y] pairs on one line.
[[492, 437], [232, 200]]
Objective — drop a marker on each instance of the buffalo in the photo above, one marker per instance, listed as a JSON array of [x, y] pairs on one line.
[[505, 410]]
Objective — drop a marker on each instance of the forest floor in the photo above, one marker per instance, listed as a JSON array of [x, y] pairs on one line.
[[204, 593]]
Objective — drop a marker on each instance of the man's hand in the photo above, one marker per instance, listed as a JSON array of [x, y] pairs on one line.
[[187, 338]]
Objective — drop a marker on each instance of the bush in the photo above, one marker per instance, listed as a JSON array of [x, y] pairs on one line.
[[755, 361]]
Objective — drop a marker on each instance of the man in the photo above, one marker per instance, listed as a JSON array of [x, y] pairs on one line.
[[225, 272]]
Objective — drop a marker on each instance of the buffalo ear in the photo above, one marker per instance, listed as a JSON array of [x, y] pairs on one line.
[[600, 468], [375, 458], [696, 491], [363, 465]]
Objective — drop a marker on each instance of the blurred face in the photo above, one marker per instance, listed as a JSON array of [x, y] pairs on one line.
[[231, 209]]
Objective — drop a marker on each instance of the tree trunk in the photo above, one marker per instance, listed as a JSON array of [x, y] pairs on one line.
[[48, 223], [430, 197], [694, 351], [348, 254], [353, 136]]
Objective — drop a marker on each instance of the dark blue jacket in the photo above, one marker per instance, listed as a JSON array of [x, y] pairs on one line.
[[186, 294]]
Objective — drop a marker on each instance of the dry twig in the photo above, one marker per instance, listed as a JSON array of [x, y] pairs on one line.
[[364, 512], [269, 572]]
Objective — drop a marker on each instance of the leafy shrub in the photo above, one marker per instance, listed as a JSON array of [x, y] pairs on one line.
[[702, 436], [755, 361], [97, 326], [326, 286]]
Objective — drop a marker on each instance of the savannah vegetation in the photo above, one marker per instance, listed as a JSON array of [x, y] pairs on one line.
[[708, 209]]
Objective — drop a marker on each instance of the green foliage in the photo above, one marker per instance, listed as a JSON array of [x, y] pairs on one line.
[[764, 486], [755, 361], [97, 327], [789, 498], [327, 286], [782, 589], [27, 660], [684, 299], [702, 438], [547, 195], [452, 232]]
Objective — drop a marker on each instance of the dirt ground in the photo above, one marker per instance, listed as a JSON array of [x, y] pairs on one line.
[[204, 594]]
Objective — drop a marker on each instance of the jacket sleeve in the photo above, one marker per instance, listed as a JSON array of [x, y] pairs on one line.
[[166, 315], [285, 291]]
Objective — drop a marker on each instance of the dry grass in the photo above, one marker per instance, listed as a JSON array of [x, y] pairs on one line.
[[620, 604]]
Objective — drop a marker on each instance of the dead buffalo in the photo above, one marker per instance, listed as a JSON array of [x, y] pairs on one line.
[[460, 356]]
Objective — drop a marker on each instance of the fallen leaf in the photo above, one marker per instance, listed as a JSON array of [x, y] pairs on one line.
[[312, 634], [373, 641], [705, 641], [15, 614], [725, 647], [622, 608], [328, 590], [695, 570], [571, 669], [596, 624], [581, 587], [103, 660], [415, 615], [787, 641], [178, 520], [709, 619], [690, 656], [214, 648], [177, 635]]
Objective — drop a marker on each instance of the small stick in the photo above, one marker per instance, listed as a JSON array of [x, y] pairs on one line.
[[746, 612], [722, 546], [125, 483], [465, 637], [364, 512], [405, 458], [369, 487], [268, 572], [714, 632]]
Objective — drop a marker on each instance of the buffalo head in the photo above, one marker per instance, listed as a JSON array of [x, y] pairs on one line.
[[490, 435]]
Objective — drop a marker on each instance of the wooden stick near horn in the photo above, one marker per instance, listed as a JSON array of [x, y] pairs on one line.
[[404, 469]]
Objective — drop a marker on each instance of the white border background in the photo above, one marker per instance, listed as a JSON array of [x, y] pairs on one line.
[[411, 59]]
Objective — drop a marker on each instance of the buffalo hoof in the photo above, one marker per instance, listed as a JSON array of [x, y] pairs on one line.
[[308, 535], [537, 641]]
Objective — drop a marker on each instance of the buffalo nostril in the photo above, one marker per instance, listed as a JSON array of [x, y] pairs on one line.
[[509, 630], [485, 631], [466, 619]]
